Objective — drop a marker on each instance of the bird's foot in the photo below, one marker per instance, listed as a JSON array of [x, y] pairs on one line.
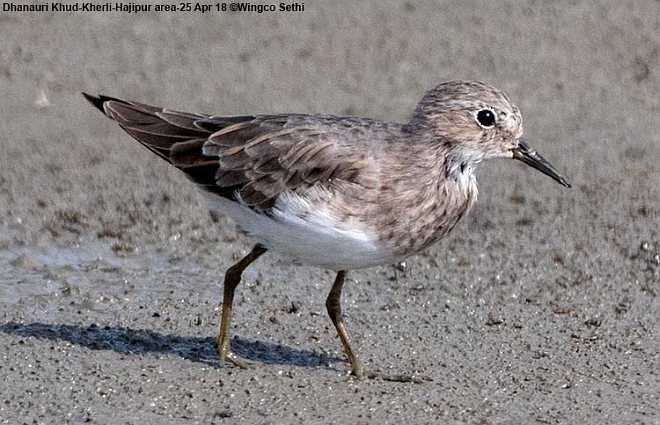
[[232, 358]]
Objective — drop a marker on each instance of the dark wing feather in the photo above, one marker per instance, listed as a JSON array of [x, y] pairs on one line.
[[254, 158]]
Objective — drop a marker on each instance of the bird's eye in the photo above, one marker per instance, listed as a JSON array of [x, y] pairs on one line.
[[486, 118]]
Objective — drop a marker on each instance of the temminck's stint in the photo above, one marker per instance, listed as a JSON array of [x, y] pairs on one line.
[[337, 192]]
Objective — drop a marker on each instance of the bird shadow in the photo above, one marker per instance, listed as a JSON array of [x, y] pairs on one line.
[[139, 341]]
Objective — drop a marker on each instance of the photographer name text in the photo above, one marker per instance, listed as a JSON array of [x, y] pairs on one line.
[[123, 7]]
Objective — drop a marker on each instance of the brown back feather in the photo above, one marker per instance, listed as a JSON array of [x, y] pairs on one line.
[[254, 158]]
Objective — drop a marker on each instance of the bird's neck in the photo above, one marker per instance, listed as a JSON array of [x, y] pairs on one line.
[[459, 173], [459, 166], [442, 164]]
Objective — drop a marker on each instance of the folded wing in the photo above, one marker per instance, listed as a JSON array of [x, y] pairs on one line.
[[252, 158]]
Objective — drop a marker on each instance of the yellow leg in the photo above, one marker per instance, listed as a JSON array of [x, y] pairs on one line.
[[232, 279], [333, 305]]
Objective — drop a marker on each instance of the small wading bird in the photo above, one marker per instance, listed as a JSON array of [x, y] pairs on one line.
[[337, 192]]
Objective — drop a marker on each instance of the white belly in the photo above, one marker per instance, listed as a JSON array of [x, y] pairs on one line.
[[308, 233]]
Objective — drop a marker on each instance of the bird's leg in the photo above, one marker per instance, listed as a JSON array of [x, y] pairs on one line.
[[232, 279], [333, 305]]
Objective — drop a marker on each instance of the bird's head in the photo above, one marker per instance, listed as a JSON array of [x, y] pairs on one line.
[[474, 121]]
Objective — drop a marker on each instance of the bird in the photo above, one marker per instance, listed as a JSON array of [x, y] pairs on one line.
[[340, 193]]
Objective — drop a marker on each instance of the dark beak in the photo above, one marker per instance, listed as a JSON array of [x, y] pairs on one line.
[[529, 156]]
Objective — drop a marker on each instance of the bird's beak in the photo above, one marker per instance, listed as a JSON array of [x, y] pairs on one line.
[[523, 152]]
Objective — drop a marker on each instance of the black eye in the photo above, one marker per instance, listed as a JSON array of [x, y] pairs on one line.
[[486, 118]]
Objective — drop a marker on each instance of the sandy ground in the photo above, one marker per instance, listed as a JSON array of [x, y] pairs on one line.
[[542, 306]]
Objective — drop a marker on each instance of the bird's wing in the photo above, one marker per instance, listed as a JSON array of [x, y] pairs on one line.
[[249, 158]]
